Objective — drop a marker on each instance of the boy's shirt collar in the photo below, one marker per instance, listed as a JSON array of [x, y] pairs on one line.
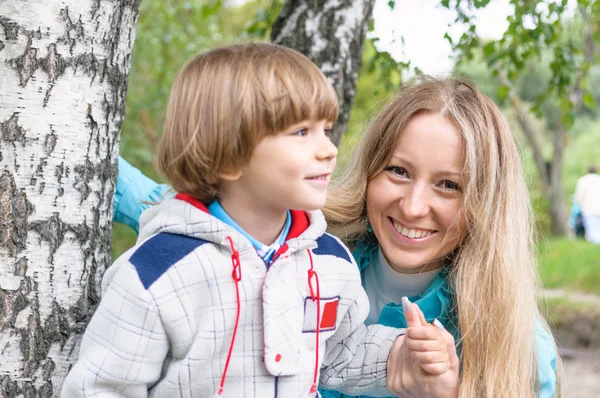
[[169, 216], [264, 251]]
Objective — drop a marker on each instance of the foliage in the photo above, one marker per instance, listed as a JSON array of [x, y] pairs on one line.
[[168, 33], [536, 26]]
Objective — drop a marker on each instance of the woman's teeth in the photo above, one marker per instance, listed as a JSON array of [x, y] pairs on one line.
[[411, 233]]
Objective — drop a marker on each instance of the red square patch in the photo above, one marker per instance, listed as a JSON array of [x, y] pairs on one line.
[[327, 314]]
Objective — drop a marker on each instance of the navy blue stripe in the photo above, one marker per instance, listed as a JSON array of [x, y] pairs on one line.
[[159, 253], [329, 245]]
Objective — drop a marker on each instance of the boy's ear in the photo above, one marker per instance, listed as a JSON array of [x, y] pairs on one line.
[[230, 175]]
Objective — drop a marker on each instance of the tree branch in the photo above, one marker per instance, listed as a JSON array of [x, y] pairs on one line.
[[526, 126]]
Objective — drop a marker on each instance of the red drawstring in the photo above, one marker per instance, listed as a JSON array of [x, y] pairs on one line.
[[237, 277], [317, 297]]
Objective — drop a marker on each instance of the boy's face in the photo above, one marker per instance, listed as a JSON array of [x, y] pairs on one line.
[[289, 170]]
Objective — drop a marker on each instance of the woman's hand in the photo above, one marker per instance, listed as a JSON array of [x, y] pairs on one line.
[[423, 363]]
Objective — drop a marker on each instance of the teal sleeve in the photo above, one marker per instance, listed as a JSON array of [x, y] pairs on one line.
[[330, 394], [546, 361], [133, 189]]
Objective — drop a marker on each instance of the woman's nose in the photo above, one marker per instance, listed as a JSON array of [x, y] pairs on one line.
[[415, 203]]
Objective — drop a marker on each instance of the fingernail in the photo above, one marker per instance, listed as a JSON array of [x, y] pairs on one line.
[[405, 304], [438, 325]]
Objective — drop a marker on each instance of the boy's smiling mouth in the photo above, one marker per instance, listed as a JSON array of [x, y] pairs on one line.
[[320, 177]]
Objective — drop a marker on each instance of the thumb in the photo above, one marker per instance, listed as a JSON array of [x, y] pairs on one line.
[[410, 313]]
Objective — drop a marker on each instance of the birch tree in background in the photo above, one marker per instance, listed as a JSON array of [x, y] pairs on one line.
[[331, 33], [63, 76]]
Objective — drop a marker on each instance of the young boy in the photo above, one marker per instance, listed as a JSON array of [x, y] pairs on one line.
[[228, 291]]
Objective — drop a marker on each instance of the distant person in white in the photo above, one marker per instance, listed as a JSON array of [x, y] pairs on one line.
[[587, 196]]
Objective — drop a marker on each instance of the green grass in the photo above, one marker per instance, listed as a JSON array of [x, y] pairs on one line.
[[572, 264], [123, 239]]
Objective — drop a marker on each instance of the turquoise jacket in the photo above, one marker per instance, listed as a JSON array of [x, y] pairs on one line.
[[134, 189], [437, 302]]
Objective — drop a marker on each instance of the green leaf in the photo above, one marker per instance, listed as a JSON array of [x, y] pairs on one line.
[[392, 4], [489, 49], [447, 37], [503, 92], [588, 100], [568, 120]]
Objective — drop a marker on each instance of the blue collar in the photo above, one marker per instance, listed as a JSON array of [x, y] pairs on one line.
[[264, 251]]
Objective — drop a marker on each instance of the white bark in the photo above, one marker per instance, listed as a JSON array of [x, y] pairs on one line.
[[331, 33], [63, 77]]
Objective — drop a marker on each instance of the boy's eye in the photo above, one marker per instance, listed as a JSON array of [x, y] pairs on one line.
[[449, 185], [300, 133], [328, 132], [397, 171]]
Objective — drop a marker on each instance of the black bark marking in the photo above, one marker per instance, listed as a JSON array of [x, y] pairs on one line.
[[11, 28], [56, 326], [73, 31], [8, 388], [14, 211], [12, 132], [85, 174], [51, 231], [88, 63], [49, 367], [1, 45], [13, 302], [50, 142], [58, 172], [33, 347], [26, 64], [54, 65], [81, 231], [95, 8]]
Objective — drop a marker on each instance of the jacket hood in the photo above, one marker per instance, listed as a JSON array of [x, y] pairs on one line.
[[182, 218]]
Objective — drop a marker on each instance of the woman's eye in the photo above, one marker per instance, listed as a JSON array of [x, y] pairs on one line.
[[449, 185], [300, 133], [397, 171]]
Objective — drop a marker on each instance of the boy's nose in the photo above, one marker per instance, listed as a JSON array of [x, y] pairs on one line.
[[326, 149]]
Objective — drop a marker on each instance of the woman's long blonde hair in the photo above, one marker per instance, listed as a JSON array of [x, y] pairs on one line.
[[494, 272]]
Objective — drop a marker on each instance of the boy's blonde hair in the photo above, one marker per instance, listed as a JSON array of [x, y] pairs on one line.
[[224, 101], [493, 270]]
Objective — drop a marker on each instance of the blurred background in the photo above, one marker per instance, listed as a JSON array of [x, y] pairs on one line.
[[547, 86]]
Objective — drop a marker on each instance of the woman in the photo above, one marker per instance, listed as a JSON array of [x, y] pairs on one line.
[[435, 206]]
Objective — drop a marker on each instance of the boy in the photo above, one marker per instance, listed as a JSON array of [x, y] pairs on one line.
[[228, 291]]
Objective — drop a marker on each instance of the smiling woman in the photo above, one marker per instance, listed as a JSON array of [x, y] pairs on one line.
[[435, 206], [415, 205]]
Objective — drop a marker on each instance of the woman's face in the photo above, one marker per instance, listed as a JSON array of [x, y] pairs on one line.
[[415, 205]]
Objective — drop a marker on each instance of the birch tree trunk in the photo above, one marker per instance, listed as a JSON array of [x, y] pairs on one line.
[[331, 33], [63, 77]]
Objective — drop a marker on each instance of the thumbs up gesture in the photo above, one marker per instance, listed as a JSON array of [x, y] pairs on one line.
[[424, 363]]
